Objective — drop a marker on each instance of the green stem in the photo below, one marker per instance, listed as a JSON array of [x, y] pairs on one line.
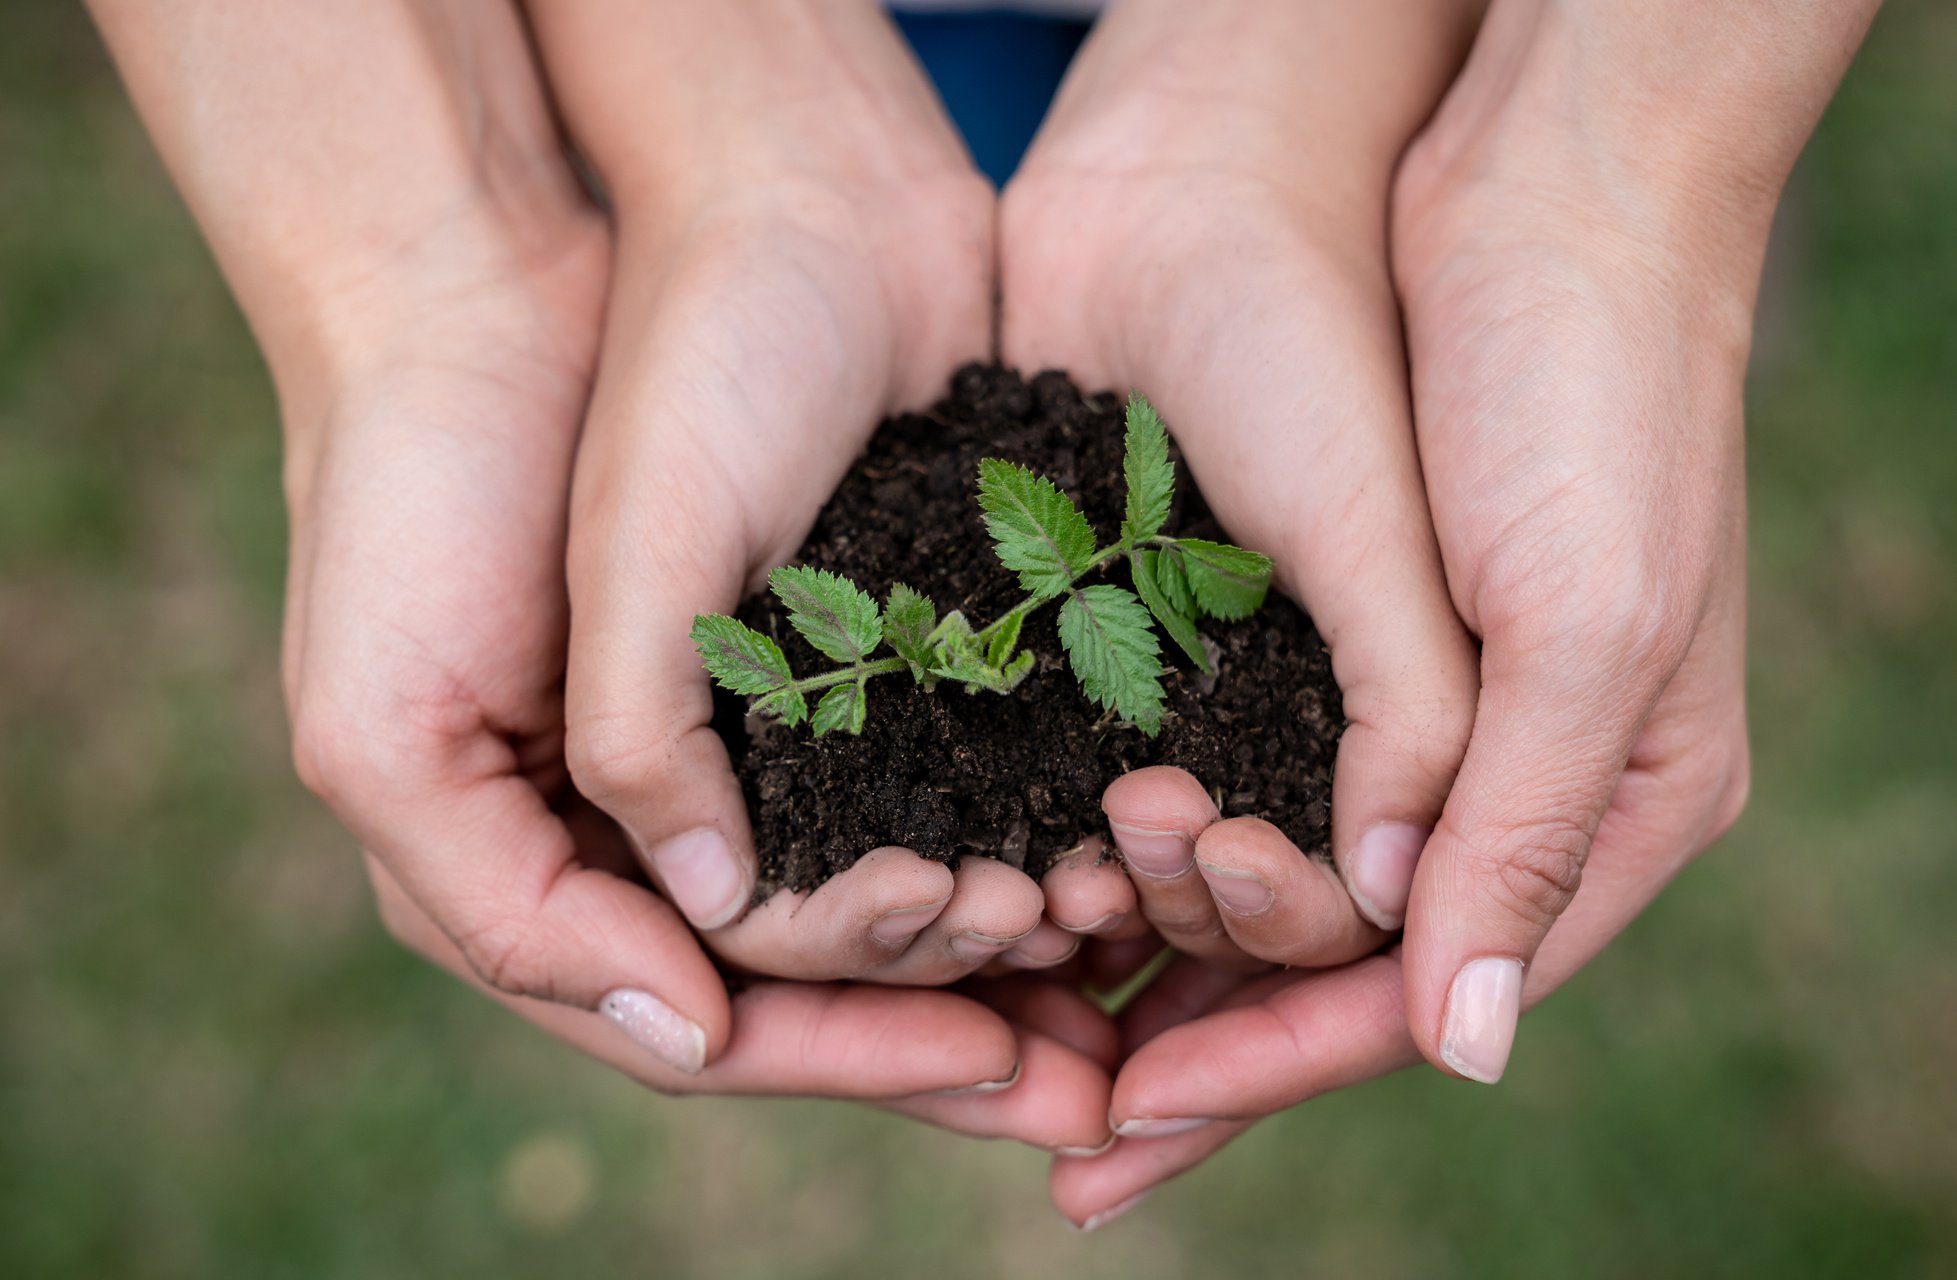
[[1031, 603], [855, 671]]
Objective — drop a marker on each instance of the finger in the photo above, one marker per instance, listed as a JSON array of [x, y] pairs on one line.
[[855, 921], [1092, 1191], [498, 875], [992, 908], [1045, 947], [1554, 729], [1088, 893], [1156, 815], [1187, 989], [1278, 904], [1053, 1010], [1059, 1103], [784, 1038]]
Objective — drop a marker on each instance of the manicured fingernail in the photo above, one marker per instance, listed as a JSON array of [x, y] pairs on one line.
[[662, 1030], [703, 877], [983, 1086], [1159, 1127], [1242, 892], [893, 927], [1086, 1152], [1162, 855], [1482, 1008], [975, 947], [1105, 1216], [1379, 871], [1109, 921]]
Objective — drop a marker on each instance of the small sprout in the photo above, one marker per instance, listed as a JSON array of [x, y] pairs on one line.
[[1039, 534]]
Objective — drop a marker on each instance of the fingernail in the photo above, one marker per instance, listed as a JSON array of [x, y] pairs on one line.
[[1086, 1152], [1105, 1216], [1242, 892], [1109, 921], [1482, 1008], [1379, 871], [1161, 855], [983, 1086], [657, 1027], [1159, 1127], [974, 947], [893, 927], [703, 877], [1024, 957]]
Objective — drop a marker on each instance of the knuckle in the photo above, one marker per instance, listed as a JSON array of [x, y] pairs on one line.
[[508, 959], [608, 758], [1735, 787], [1536, 872], [334, 758]]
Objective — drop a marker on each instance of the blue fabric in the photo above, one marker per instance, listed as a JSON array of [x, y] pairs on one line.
[[997, 73]]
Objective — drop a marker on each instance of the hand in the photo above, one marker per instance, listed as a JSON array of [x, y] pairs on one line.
[[1577, 365], [428, 281]]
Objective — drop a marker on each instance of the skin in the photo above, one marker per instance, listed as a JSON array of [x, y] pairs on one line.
[[1526, 557], [507, 408], [1576, 240]]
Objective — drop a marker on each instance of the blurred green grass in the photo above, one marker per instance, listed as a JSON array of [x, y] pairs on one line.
[[213, 1063]]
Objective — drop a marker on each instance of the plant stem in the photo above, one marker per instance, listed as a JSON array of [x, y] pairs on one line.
[[1030, 603], [843, 675]]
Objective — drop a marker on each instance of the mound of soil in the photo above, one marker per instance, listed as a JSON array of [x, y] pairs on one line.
[[1017, 777]]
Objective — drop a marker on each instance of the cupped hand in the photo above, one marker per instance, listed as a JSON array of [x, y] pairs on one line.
[[1577, 311], [429, 282]]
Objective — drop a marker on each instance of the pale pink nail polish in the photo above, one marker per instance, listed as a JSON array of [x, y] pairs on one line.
[[1240, 891], [1379, 871], [1482, 1008], [1162, 855], [1159, 1126], [1105, 1216], [657, 1027], [702, 876]]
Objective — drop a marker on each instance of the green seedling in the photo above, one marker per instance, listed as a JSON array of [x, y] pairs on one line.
[[1039, 534]]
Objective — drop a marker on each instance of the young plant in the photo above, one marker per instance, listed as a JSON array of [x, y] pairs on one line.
[[1039, 534]]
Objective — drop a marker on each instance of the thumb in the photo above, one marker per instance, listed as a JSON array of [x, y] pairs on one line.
[[1553, 729]]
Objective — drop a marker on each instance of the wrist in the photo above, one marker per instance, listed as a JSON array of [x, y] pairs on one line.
[[681, 106]]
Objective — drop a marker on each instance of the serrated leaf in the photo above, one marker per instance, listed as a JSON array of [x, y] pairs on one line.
[[832, 613], [786, 705], [908, 621], [1036, 530], [1105, 631], [1146, 467], [842, 708], [1004, 638], [1228, 582], [1174, 581], [1179, 625], [740, 658]]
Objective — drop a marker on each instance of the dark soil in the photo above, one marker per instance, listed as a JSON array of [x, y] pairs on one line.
[[1017, 777]]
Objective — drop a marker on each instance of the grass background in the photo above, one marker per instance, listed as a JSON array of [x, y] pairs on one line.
[[213, 1063]]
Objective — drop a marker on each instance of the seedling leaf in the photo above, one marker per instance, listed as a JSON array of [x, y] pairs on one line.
[[1036, 529], [786, 705], [1174, 581], [841, 708], [908, 621], [1114, 652], [1005, 636], [830, 612], [1150, 475], [1228, 582], [739, 657], [1180, 626]]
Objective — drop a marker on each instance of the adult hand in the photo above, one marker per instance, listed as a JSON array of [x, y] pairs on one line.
[[1576, 247], [428, 281]]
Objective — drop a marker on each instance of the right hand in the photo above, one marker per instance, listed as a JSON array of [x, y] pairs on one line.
[[429, 283]]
